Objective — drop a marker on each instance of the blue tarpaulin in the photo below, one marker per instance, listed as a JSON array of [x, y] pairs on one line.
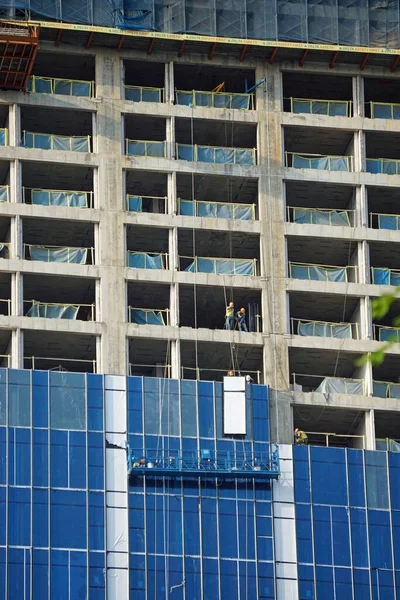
[[53, 311], [135, 203], [216, 210], [146, 317], [321, 217], [319, 107], [318, 273], [60, 255], [221, 266], [382, 276], [143, 260], [59, 198], [335, 330]]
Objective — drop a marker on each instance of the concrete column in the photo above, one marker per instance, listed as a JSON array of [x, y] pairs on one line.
[[175, 359], [111, 250], [272, 239], [17, 294], [358, 96], [169, 83], [370, 430], [14, 125], [170, 137], [15, 180], [16, 238], [281, 417], [172, 203], [362, 217], [359, 151], [173, 259], [17, 349]]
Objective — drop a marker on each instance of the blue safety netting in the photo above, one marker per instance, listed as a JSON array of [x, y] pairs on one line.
[[386, 389], [338, 385], [221, 266], [135, 203], [319, 107], [53, 311], [347, 22], [46, 141], [385, 111], [216, 210], [389, 222], [339, 330], [213, 99], [213, 155], [59, 198], [60, 255], [321, 217], [317, 273], [387, 334], [143, 94], [324, 163], [142, 148], [146, 317], [143, 260], [382, 276], [387, 445], [3, 137], [383, 165]]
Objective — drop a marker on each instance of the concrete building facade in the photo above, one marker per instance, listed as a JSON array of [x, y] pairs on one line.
[[137, 203]]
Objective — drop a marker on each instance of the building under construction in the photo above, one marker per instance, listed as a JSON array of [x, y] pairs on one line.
[[160, 159]]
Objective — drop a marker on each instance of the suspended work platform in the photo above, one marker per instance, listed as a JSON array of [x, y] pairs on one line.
[[18, 49], [205, 464]]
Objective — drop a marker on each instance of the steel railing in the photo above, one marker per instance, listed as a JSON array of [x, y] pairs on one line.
[[206, 99], [387, 110], [331, 108], [216, 154], [322, 162], [320, 378], [137, 203], [50, 248], [393, 333], [52, 141], [219, 207], [35, 361], [317, 219], [380, 218], [137, 93], [151, 149], [86, 198], [7, 303], [330, 326], [350, 271], [390, 272], [328, 436], [90, 313], [166, 369], [163, 313], [64, 87], [163, 255], [237, 262], [256, 376], [385, 166]]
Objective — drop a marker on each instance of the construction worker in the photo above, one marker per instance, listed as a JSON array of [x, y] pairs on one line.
[[241, 320], [231, 373], [300, 438], [229, 314]]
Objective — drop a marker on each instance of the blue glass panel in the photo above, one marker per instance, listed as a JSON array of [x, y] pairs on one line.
[[266, 580], [96, 520], [355, 467], [394, 471], [3, 453], [324, 579], [341, 536], [358, 519], [206, 416], [227, 529], [246, 528], [388, 222], [192, 578], [304, 533], [95, 410], [306, 582], [68, 507], [380, 545], [229, 581], [40, 399], [322, 535], [361, 584], [376, 479], [40, 518], [77, 460], [209, 533], [19, 521], [302, 484], [3, 518], [19, 404], [192, 526], [396, 537], [40, 575], [67, 401], [59, 459], [329, 484]]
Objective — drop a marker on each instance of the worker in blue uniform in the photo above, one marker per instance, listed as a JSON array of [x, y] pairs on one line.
[[241, 320]]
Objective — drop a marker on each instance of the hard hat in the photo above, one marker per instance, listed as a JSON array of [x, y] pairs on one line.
[[242, 310], [296, 429], [231, 304]]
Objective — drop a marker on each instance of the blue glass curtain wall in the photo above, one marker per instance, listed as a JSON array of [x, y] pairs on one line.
[[347, 505], [215, 537], [52, 486]]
